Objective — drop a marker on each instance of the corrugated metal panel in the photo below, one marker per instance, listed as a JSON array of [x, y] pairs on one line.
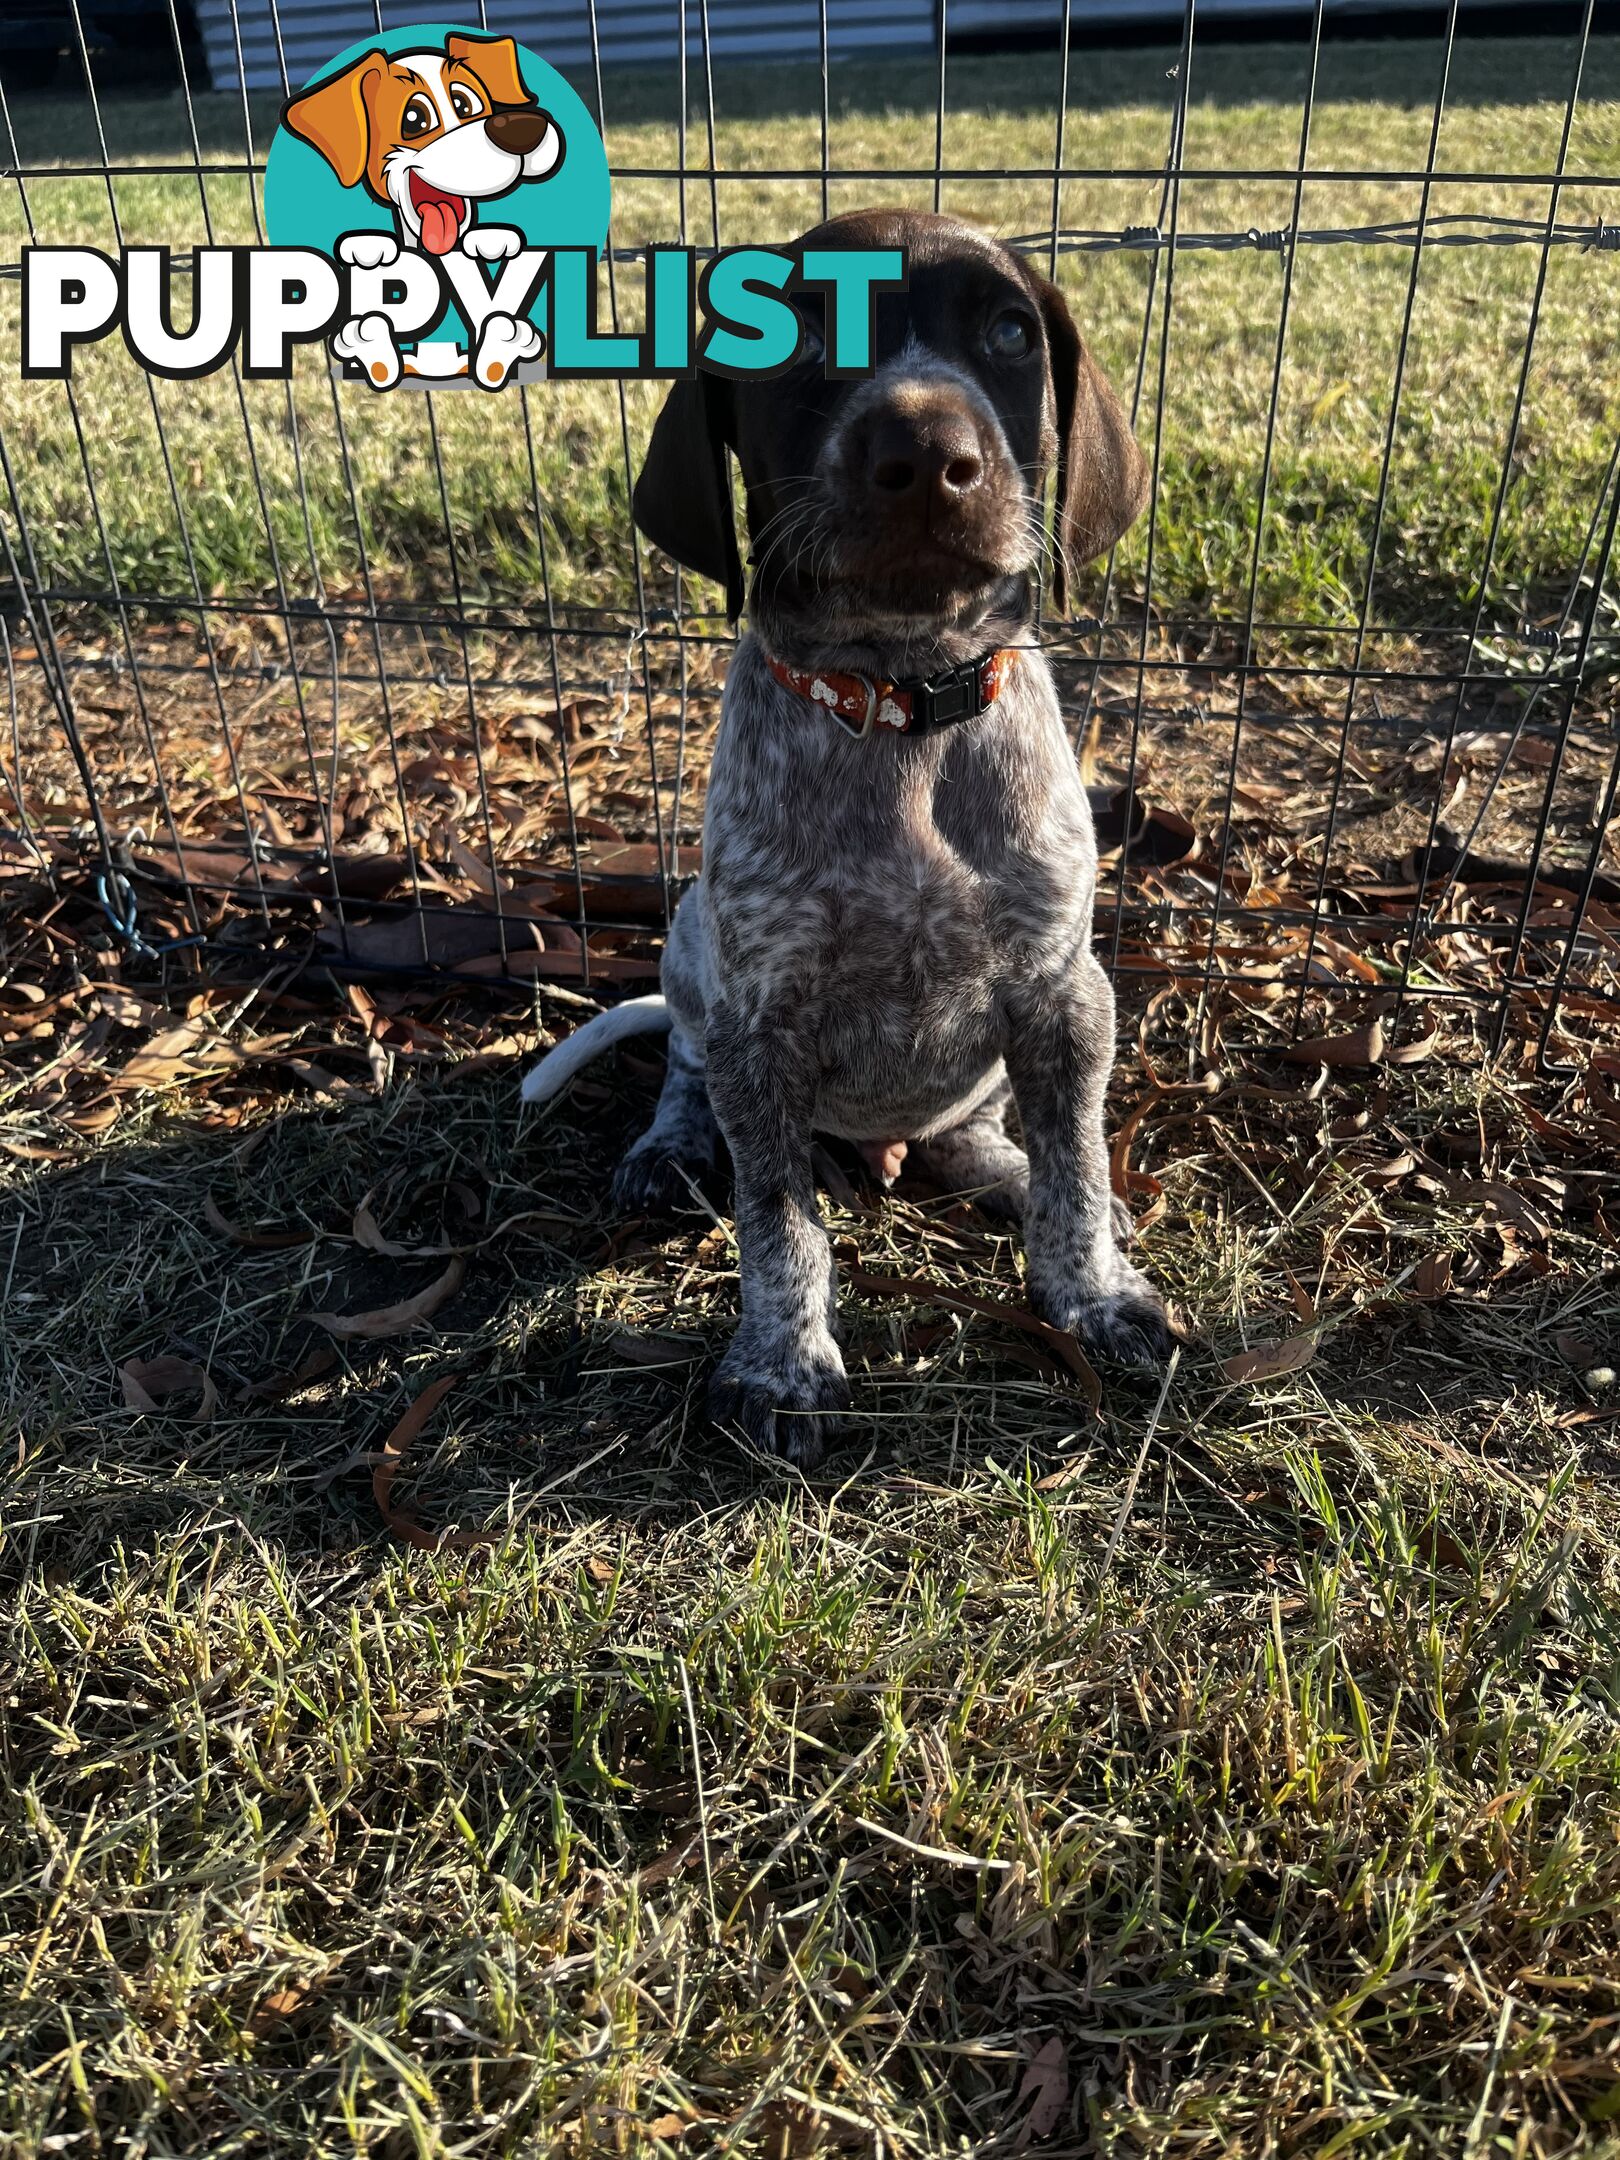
[[300, 36], [975, 17]]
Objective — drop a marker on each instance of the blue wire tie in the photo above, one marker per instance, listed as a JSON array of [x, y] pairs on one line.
[[117, 897]]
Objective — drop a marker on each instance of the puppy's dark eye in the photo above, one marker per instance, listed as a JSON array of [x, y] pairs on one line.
[[812, 345], [464, 103], [1010, 337], [418, 118]]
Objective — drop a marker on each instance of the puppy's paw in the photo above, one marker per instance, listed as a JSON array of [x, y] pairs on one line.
[[1123, 1321], [656, 1180], [792, 1405], [368, 250], [368, 341], [503, 344], [491, 243], [990, 1172], [1006, 1202]]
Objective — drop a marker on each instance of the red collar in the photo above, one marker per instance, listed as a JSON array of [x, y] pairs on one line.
[[863, 705]]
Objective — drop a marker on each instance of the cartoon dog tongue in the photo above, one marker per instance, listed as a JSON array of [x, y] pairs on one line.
[[441, 222]]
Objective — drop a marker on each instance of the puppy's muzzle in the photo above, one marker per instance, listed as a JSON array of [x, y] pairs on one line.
[[926, 488], [928, 465]]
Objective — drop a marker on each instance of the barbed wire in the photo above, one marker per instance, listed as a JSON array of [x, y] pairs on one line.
[[1457, 229]]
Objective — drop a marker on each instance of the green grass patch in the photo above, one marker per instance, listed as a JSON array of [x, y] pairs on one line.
[[1237, 1773]]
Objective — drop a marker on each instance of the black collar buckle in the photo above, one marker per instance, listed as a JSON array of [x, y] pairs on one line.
[[942, 700]]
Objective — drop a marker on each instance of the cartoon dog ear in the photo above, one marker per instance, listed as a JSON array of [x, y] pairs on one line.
[[682, 499], [333, 116], [1102, 477], [495, 62]]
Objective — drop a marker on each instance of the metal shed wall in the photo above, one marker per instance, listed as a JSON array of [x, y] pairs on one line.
[[300, 36], [979, 17]]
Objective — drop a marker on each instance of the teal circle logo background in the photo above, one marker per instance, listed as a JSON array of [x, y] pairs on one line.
[[306, 205]]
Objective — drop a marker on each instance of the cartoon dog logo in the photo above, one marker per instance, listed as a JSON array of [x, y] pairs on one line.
[[434, 135]]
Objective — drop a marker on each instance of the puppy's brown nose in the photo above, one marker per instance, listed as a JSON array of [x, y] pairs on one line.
[[935, 455], [519, 130]]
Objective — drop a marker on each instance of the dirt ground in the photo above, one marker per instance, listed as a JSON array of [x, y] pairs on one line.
[[356, 799]]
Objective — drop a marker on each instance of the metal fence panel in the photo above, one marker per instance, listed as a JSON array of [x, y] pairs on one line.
[[298, 672]]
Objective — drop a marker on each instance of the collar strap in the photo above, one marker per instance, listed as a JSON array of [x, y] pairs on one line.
[[866, 705]]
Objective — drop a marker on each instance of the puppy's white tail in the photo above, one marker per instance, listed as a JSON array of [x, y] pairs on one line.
[[637, 1016]]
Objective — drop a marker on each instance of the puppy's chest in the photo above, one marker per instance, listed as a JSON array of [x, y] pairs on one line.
[[893, 916]]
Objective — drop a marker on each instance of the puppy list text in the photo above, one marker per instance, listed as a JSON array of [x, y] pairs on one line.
[[733, 314]]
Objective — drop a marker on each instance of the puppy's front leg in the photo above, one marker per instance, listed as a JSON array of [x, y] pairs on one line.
[[1060, 1051], [782, 1380]]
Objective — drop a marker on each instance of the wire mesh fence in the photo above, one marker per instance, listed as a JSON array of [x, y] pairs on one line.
[[301, 674]]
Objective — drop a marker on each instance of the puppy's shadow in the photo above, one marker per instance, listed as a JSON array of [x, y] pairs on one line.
[[578, 1343]]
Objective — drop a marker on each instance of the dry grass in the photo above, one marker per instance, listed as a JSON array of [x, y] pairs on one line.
[[1235, 1771]]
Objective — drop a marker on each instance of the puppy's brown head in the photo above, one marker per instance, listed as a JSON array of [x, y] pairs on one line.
[[908, 504]]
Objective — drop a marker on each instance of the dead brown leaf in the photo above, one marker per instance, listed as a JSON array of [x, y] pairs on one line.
[[123, 1006], [315, 1365], [796, 2129], [1388, 1172], [1413, 1053], [276, 2008], [443, 937], [255, 1240], [179, 1054], [1063, 1346], [638, 1347], [672, 1861], [1504, 1200], [1045, 2091], [563, 966], [1270, 1360], [1361, 1046], [1576, 1352], [1441, 1549], [367, 1231], [96, 1117], [1158, 835], [149, 1382], [411, 1312], [395, 1448], [1304, 1303]]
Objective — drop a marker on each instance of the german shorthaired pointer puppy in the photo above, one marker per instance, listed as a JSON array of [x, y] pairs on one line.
[[891, 938]]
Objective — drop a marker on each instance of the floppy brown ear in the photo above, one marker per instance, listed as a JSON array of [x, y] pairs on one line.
[[1102, 477], [682, 498], [332, 117], [495, 62]]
